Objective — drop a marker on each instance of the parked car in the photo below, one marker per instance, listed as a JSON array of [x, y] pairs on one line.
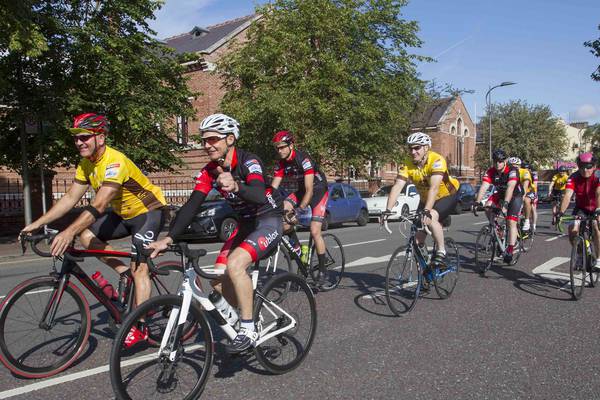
[[543, 194], [215, 219], [466, 197], [345, 205], [408, 201]]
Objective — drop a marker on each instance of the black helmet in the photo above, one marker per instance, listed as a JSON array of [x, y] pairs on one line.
[[499, 155], [526, 164], [562, 168]]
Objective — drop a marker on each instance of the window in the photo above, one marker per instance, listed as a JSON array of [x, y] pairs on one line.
[[337, 192], [412, 190], [350, 192], [182, 130]]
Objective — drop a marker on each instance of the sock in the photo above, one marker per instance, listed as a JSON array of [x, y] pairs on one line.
[[248, 324], [321, 263], [510, 248], [441, 252], [526, 224]]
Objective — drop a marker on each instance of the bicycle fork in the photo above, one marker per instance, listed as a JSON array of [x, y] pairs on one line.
[[47, 321]]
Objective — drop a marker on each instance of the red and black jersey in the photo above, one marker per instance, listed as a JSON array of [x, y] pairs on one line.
[[298, 165], [253, 198], [501, 178], [585, 190]]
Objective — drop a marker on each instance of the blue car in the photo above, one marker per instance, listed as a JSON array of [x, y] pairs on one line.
[[345, 205]]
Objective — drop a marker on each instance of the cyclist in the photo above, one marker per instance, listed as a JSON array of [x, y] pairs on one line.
[[138, 207], [526, 182], [585, 184], [531, 199], [437, 189], [557, 189], [508, 196], [238, 175], [312, 190]]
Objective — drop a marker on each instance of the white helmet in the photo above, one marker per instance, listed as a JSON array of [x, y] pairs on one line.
[[514, 161], [220, 123], [419, 138]]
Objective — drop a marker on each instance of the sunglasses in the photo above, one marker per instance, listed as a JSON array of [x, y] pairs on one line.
[[586, 166], [212, 140], [83, 138], [415, 148], [283, 146]]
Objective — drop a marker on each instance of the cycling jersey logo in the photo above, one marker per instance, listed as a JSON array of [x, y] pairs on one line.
[[306, 164], [112, 170], [264, 242], [437, 164], [253, 166]]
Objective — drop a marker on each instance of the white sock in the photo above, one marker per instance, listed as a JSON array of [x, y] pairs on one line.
[[249, 325], [526, 224]]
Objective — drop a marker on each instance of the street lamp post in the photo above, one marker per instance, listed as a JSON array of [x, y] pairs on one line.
[[488, 99]]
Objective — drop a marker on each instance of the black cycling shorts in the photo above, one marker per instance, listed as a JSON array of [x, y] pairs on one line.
[[318, 202], [444, 206], [258, 236], [143, 229]]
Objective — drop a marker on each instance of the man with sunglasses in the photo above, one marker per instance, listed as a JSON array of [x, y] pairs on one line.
[[239, 176], [585, 184], [138, 206], [312, 191], [428, 171], [508, 196]]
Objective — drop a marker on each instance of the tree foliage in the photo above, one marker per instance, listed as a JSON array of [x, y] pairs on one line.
[[592, 136], [87, 56], [594, 46], [529, 132], [337, 73]]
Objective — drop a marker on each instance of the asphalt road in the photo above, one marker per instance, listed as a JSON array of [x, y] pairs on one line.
[[514, 334]]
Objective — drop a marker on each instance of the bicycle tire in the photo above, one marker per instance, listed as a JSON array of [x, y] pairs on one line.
[[445, 280], [335, 262], [127, 364], [577, 266], [62, 351], [485, 250], [291, 293], [527, 239], [403, 278]]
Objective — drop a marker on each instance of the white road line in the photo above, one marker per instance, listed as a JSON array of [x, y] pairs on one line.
[[79, 375], [35, 291], [481, 223], [359, 243], [368, 260], [556, 237], [23, 260]]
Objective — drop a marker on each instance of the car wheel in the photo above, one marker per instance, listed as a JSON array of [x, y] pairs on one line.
[[363, 217], [228, 226], [405, 210]]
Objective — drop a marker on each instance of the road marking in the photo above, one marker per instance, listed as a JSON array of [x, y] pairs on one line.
[[556, 237], [481, 223], [545, 271], [356, 244], [368, 260], [37, 259], [34, 292], [80, 375]]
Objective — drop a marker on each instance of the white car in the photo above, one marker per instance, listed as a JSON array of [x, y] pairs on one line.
[[408, 201]]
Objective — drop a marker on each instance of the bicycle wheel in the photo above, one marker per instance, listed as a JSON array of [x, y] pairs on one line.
[[277, 263], [335, 262], [168, 284], [180, 371], [284, 298], [527, 239], [577, 267], [485, 249], [30, 350], [403, 279], [444, 280]]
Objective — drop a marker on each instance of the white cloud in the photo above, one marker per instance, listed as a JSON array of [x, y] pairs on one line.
[[587, 112], [179, 16]]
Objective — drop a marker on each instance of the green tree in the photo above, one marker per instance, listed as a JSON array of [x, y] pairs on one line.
[[336, 73], [529, 132], [594, 46], [592, 136], [96, 56]]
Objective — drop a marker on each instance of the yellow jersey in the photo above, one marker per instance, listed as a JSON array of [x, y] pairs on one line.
[[525, 175], [560, 181], [420, 176], [137, 195]]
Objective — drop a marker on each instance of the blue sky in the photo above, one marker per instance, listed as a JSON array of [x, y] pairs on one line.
[[477, 43]]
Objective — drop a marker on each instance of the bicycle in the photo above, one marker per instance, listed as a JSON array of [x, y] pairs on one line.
[[555, 200], [492, 241], [284, 312], [582, 256], [45, 321], [410, 271]]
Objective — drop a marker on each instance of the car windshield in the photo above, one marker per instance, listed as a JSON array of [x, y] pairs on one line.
[[213, 195], [383, 192]]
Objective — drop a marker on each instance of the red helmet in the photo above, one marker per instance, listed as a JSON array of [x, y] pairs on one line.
[[283, 136], [90, 122]]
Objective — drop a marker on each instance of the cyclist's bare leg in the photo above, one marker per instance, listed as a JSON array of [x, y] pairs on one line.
[[573, 231], [315, 231], [437, 231], [527, 207], [237, 263], [224, 286], [596, 238], [141, 280], [90, 241], [512, 231], [534, 214]]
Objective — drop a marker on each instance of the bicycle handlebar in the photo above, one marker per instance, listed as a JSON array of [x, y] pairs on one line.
[[192, 255], [410, 218]]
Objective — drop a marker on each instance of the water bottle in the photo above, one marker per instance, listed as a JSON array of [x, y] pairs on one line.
[[108, 289], [304, 256], [223, 307]]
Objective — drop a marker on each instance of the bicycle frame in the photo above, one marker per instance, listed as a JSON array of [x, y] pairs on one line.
[[189, 290]]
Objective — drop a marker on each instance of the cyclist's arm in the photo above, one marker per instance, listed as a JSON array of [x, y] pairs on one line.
[[434, 188], [63, 206], [484, 187], [510, 188], [564, 204], [105, 194], [309, 180], [186, 214], [550, 187], [276, 182], [526, 187], [395, 192]]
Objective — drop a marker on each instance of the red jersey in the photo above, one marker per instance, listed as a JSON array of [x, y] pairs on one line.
[[585, 190]]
